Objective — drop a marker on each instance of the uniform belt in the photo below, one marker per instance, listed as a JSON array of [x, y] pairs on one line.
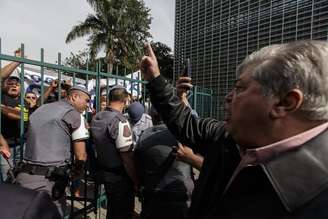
[[34, 169]]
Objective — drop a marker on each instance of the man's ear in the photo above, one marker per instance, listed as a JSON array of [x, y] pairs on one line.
[[75, 95], [287, 104]]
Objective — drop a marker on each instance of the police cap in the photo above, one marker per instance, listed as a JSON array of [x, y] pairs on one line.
[[79, 88]]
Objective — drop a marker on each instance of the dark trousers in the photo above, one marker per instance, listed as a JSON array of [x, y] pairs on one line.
[[169, 205], [120, 199]]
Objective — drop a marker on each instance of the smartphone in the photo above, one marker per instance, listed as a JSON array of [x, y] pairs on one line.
[[186, 72]]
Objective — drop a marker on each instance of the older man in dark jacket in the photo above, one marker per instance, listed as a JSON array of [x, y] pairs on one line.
[[277, 114]]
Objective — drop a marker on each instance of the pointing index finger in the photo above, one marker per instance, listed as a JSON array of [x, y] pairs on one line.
[[150, 51]]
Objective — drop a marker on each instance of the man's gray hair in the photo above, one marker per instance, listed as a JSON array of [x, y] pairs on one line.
[[302, 65]]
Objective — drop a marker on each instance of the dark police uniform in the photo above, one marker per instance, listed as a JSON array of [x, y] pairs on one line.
[[48, 148], [112, 135], [170, 198]]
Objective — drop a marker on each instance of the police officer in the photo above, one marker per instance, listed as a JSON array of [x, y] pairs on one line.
[[167, 186], [113, 139], [139, 120], [54, 130]]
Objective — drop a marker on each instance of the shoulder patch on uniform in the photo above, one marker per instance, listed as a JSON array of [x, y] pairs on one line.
[[126, 131]]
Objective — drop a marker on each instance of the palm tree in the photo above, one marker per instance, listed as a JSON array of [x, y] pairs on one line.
[[120, 27]]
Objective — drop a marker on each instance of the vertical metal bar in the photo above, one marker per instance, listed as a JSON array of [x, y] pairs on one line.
[[74, 78], [194, 102], [87, 86], [107, 90], [42, 76], [97, 86], [22, 105], [59, 76], [116, 74], [312, 8], [211, 103], [138, 89], [131, 84]]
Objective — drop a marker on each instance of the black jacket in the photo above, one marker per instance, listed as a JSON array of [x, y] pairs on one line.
[[293, 185]]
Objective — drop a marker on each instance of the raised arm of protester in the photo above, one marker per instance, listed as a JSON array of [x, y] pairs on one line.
[[9, 69]]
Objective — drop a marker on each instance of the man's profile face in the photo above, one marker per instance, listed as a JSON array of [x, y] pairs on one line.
[[247, 110], [81, 101], [13, 87]]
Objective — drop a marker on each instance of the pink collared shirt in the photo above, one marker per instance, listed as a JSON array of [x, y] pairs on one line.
[[252, 157]]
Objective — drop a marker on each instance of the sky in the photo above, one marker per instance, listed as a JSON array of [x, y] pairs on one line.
[[45, 24]]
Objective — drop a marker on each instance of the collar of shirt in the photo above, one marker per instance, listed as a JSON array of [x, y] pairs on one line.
[[260, 155], [251, 157]]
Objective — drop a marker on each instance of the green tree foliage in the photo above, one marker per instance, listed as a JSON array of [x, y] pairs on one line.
[[118, 27], [165, 58]]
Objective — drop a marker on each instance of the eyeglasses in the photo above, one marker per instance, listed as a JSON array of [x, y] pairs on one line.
[[31, 97]]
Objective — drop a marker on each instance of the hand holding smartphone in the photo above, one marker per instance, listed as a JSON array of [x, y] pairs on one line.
[[186, 72]]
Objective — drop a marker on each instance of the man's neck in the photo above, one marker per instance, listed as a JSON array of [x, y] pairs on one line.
[[116, 106]]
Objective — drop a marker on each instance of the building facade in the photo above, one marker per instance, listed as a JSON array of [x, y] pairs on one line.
[[216, 35]]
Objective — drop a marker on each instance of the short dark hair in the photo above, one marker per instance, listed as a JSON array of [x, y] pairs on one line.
[[118, 94]]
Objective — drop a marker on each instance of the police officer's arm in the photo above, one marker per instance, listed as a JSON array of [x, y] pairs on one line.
[[124, 145], [79, 150], [79, 136]]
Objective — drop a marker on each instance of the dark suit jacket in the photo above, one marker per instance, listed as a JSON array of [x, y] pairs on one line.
[[20, 203], [290, 185]]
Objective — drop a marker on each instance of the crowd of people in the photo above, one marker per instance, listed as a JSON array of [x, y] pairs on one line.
[[267, 159], [55, 150]]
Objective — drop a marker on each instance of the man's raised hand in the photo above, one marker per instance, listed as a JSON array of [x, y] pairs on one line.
[[149, 66]]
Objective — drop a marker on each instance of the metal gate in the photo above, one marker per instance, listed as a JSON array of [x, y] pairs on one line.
[[93, 196]]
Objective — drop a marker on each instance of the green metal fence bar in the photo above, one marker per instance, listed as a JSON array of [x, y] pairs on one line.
[[59, 76], [142, 87], [22, 105], [116, 72], [131, 84], [98, 87], [211, 106], [74, 78], [44, 64], [42, 76], [194, 102], [107, 90], [64, 68]]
